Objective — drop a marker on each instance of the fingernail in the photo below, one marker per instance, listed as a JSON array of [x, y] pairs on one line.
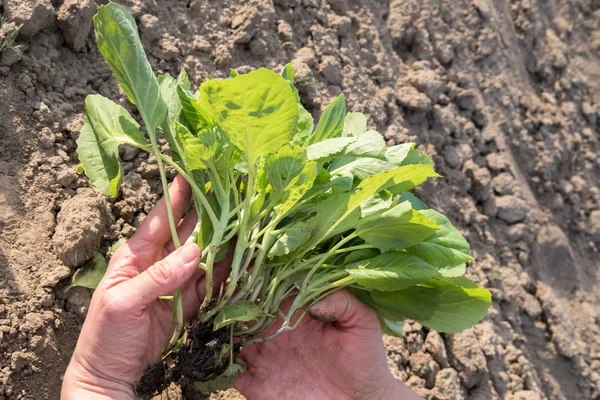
[[189, 254]]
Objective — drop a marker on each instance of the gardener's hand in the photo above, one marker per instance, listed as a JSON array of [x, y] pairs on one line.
[[127, 326], [336, 354]]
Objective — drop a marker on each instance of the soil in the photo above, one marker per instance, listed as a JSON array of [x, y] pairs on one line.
[[503, 94]]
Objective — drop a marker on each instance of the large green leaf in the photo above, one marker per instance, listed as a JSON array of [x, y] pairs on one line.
[[391, 271], [397, 228], [241, 311], [354, 124], [397, 154], [362, 167], [444, 248], [328, 148], [416, 302], [107, 125], [331, 122], [461, 304], [367, 144], [409, 175], [119, 43], [257, 110]]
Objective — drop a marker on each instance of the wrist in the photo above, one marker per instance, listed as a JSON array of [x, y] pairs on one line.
[[80, 382]]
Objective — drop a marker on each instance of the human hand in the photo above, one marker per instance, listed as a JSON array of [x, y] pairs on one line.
[[127, 326], [336, 354]]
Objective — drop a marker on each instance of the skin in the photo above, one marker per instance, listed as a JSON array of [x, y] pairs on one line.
[[336, 353]]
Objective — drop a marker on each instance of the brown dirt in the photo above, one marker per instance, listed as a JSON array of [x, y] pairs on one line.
[[504, 94]]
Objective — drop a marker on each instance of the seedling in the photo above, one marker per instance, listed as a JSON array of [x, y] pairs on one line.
[[8, 34], [306, 211]]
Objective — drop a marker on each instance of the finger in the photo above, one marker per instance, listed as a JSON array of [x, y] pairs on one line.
[[165, 276], [155, 228], [184, 230], [345, 309]]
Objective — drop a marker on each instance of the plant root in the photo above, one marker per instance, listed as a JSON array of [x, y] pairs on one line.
[[204, 353]]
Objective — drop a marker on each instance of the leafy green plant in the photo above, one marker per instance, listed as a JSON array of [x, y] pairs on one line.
[[8, 34], [306, 210]]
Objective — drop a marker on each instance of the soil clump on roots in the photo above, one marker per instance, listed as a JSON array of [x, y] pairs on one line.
[[204, 352]]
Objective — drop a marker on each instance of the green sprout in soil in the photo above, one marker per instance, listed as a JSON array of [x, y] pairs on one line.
[[304, 210], [8, 34]]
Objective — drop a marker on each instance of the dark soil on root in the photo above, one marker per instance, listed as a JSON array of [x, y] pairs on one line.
[[200, 356]]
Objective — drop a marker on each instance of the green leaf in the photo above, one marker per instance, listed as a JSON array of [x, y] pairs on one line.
[[461, 304], [197, 149], [297, 188], [391, 328], [397, 154], [354, 124], [381, 201], [410, 176], [190, 104], [391, 271], [453, 271], [363, 167], [119, 43], [331, 122], [241, 311], [90, 275], [282, 167], [223, 381], [328, 148], [359, 255], [397, 228], [414, 201], [168, 91], [293, 237], [257, 110], [446, 247], [304, 127], [288, 74], [107, 125], [415, 156], [368, 144], [416, 302]]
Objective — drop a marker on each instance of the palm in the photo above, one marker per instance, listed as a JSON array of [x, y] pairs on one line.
[[317, 360]]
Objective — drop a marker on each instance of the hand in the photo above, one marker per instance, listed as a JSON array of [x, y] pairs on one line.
[[127, 325], [336, 353]]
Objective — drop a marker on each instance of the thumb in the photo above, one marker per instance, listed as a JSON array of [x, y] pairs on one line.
[[165, 276], [345, 309]]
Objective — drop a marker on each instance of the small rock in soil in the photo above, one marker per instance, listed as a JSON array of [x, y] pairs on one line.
[[79, 300], [11, 56], [435, 346], [54, 274], [423, 365], [81, 224], [447, 385], [21, 359], [467, 358], [34, 15], [410, 97], [75, 21], [594, 226], [511, 209]]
